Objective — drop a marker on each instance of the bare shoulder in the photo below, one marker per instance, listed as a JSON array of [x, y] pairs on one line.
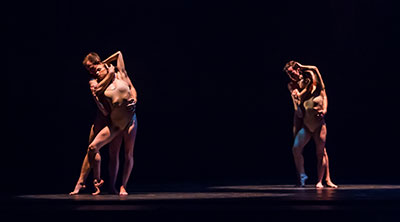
[[121, 75]]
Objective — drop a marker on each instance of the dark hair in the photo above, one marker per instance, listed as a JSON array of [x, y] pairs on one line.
[[92, 57], [291, 63]]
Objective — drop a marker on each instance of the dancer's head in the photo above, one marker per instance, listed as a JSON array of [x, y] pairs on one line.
[[91, 61], [293, 70], [102, 70]]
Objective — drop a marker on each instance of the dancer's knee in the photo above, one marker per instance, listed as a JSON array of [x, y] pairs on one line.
[[129, 159], [92, 149], [97, 157]]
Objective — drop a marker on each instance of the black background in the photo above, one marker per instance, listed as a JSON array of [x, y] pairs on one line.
[[213, 100]]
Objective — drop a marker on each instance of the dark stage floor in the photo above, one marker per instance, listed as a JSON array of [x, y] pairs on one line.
[[365, 202]]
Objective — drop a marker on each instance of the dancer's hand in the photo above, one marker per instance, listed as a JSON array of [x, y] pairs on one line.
[[296, 93], [110, 68], [297, 65], [321, 113], [93, 87], [131, 106]]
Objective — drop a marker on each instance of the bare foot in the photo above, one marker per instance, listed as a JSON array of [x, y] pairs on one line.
[[330, 184], [78, 188], [319, 185], [97, 186], [122, 191]]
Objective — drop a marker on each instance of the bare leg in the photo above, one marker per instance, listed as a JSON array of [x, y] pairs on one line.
[[106, 135], [301, 139], [85, 169], [86, 166], [129, 139], [96, 165], [113, 166], [320, 139], [328, 180]]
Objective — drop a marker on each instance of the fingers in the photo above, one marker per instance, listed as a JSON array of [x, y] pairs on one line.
[[94, 90], [131, 106]]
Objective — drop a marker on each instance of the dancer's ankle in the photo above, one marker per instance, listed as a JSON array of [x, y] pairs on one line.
[[303, 178], [97, 184]]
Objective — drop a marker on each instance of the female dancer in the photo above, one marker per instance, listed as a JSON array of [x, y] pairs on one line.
[[310, 103], [116, 98]]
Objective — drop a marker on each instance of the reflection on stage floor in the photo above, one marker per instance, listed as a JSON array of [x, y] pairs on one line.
[[368, 202]]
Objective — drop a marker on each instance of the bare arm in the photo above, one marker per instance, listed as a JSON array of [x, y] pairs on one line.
[[316, 74], [325, 101], [120, 60], [111, 58], [123, 73], [125, 77], [298, 114], [102, 85], [306, 88], [296, 101], [93, 84], [315, 70], [306, 67]]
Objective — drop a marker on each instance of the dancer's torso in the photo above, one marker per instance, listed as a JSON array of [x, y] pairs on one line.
[[121, 102], [313, 102]]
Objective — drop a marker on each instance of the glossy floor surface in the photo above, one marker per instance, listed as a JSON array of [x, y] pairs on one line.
[[183, 202]]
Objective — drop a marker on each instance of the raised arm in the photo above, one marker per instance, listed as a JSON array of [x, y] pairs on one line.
[[120, 60], [111, 58], [313, 69], [317, 75], [123, 73]]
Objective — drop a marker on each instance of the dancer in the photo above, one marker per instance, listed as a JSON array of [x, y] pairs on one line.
[[101, 119], [111, 118], [310, 104]]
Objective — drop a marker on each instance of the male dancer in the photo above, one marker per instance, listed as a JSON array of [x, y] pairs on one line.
[[310, 104]]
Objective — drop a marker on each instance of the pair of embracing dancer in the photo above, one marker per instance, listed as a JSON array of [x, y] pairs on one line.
[[310, 104], [115, 121]]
